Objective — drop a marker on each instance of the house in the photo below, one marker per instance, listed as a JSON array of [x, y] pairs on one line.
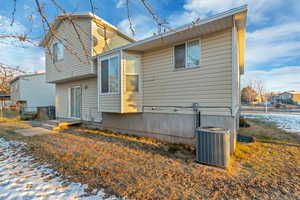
[[4, 100], [290, 97], [31, 90], [156, 87], [275, 98]]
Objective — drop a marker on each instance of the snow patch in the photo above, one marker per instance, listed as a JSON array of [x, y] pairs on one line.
[[22, 179], [287, 122]]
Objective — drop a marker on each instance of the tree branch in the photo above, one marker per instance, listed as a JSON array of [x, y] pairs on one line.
[[13, 12], [155, 17], [74, 27], [51, 31], [22, 38], [129, 18]]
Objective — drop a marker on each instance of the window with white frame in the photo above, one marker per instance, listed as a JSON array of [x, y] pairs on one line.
[[187, 55], [110, 75], [132, 71], [58, 51]]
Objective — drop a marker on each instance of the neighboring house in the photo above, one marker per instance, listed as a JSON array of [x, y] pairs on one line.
[[290, 97], [154, 87], [275, 97], [31, 90], [4, 100]]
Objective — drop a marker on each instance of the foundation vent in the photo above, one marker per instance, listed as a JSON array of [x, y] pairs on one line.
[[213, 146]]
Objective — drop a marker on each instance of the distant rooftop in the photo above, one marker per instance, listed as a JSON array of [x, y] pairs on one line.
[[293, 92], [26, 75]]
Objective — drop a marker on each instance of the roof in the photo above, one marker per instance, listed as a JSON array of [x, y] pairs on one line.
[[210, 24], [275, 93], [26, 75], [293, 92], [57, 21]]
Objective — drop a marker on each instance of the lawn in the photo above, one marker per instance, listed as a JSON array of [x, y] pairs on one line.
[[140, 168]]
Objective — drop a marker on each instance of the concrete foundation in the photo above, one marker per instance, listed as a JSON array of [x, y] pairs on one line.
[[174, 128]]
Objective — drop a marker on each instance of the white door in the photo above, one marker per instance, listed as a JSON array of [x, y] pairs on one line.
[[75, 102]]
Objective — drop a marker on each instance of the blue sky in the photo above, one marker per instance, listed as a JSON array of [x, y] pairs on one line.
[[273, 31]]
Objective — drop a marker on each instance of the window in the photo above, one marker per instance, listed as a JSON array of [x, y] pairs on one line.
[[193, 53], [180, 56], [132, 73], [58, 51], [110, 75], [187, 55]]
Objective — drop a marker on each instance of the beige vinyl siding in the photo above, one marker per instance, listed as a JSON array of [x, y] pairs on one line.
[[132, 102], [89, 111], [117, 41], [75, 61], [113, 39], [110, 103], [100, 46], [209, 85]]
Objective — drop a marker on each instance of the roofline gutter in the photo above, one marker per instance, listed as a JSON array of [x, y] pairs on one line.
[[179, 29], [184, 27]]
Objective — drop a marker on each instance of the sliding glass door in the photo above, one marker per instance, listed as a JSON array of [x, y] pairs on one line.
[[75, 102]]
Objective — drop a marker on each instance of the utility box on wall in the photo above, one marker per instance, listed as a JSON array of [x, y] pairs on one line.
[[213, 146]]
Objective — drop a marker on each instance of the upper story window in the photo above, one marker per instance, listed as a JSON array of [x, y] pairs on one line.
[[187, 55], [110, 75], [132, 71], [58, 51]]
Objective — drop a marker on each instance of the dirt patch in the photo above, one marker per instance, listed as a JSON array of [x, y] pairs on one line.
[[140, 168], [33, 131]]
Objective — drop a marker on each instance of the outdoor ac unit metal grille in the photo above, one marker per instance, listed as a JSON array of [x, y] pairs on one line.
[[213, 147]]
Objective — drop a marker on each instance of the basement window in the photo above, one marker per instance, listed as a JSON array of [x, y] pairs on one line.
[[187, 55], [110, 75]]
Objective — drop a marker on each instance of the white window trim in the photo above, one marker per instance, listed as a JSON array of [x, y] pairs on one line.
[[185, 64], [54, 56], [69, 102], [100, 82]]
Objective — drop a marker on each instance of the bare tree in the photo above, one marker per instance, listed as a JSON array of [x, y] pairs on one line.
[[41, 5], [248, 94], [260, 88], [47, 27], [255, 90], [7, 73]]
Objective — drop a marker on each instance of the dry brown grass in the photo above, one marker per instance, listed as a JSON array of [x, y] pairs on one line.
[[140, 168], [10, 124], [266, 131]]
